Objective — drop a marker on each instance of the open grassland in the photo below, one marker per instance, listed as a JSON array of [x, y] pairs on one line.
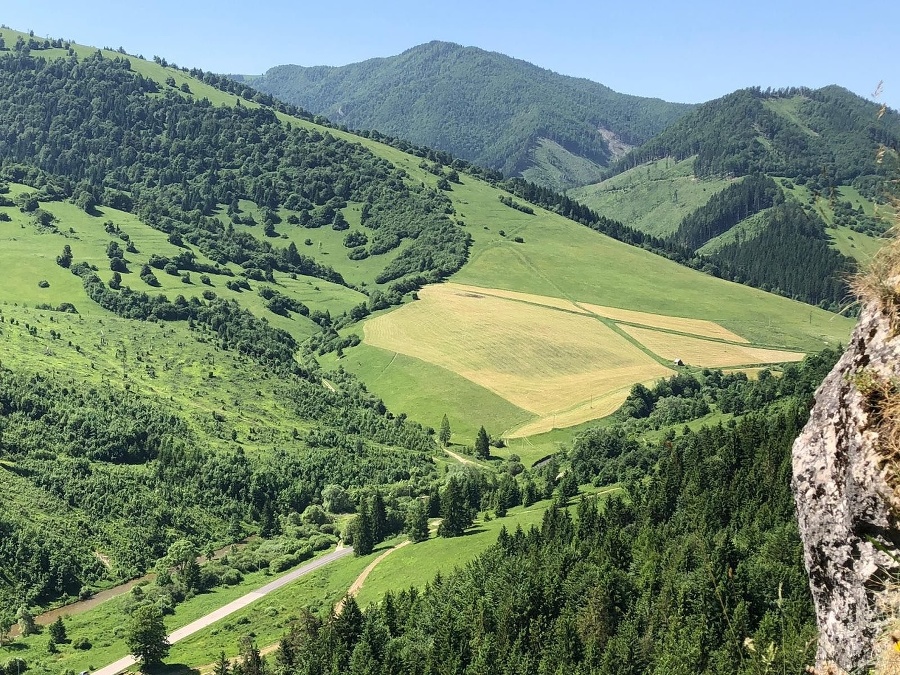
[[31, 251], [564, 260], [706, 353], [540, 359], [653, 197], [600, 406], [427, 392], [530, 298]]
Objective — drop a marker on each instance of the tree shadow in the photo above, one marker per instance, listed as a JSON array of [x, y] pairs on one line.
[[15, 646], [473, 530], [171, 669]]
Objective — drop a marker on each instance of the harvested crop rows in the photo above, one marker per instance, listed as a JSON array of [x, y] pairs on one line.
[[707, 353], [538, 358], [560, 360]]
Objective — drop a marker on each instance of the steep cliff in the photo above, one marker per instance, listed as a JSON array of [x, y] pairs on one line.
[[847, 488]]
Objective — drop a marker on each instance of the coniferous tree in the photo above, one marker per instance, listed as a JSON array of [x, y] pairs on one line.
[[363, 531], [58, 631], [457, 515], [482, 444], [444, 434], [222, 666], [417, 521], [379, 518]]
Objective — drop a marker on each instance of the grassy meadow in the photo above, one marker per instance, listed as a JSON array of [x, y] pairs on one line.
[[652, 197]]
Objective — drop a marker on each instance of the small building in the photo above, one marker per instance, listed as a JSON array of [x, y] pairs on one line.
[[678, 362]]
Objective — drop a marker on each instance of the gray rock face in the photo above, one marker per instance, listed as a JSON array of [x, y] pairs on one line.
[[844, 502]]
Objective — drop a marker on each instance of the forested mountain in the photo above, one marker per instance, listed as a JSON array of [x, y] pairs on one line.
[[828, 135], [776, 188], [484, 107]]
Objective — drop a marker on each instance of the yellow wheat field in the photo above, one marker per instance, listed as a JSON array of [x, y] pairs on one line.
[[545, 300], [706, 353], [541, 359], [682, 325], [600, 406]]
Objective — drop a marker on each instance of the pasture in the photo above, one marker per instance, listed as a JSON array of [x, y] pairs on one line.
[[538, 358], [652, 197]]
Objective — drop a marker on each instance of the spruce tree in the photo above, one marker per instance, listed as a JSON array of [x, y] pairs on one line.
[[482, 444], [379, 518], [58, 631], [444, 434], [417, 522], [455, 510], [223, 665], [363, 531]]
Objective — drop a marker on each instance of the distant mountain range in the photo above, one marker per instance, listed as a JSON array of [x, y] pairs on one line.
[[490, 109]]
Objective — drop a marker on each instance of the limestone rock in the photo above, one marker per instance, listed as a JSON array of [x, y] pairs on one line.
[[847, 511]]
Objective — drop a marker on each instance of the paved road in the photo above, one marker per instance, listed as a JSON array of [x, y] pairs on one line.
[[234, 606]]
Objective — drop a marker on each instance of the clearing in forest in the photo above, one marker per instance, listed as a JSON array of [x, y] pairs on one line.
[[539, 358]]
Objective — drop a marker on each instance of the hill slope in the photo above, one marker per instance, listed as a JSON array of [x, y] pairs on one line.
[[173, 245], [821, 147], [484, 107]]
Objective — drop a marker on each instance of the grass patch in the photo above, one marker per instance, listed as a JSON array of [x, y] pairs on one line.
[[427, 392], [559, 169], [564, 260], [652, 197]]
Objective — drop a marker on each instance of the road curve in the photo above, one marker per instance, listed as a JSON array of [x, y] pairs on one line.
[[234, 606]]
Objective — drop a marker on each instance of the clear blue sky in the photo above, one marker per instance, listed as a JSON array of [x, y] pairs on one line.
[[679, 51]]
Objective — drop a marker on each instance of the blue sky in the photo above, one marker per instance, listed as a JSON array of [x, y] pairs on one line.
[[679, 51]]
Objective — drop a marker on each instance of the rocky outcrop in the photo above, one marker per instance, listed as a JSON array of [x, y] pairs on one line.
[[846, 506]]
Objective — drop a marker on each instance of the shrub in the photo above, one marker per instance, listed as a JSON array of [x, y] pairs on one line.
[[81, 643]]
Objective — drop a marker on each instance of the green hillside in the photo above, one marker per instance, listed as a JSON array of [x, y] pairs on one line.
[[819, 147], [151, 385], [484, 107], [653, 197], [188, 273]]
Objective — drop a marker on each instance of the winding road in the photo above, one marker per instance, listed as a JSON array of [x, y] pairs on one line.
[[234, 606]]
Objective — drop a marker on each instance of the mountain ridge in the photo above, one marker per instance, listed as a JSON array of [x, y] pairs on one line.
[[494, 109]]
